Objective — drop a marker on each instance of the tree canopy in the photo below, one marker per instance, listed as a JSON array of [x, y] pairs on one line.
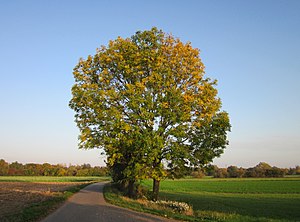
[[146, 102]]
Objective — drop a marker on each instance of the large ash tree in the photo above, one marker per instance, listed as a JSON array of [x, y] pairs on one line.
[[145, 101]]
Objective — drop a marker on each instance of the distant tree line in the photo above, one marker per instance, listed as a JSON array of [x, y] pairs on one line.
[[46, 169], [261, 170]]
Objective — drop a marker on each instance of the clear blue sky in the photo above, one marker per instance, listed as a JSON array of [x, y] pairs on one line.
[[251, 47]]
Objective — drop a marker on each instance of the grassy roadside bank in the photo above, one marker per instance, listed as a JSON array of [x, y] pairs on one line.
[[115, 197]]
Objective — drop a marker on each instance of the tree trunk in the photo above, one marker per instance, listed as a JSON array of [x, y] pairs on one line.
[[131, 191], [156, 184]]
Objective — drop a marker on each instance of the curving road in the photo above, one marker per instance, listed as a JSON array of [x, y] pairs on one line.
[[88, 205]]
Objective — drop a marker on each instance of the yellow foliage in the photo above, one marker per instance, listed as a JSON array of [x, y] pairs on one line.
[[143, 95]]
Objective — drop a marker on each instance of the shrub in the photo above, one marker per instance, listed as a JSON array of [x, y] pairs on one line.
[[178, 207], [197, 174]]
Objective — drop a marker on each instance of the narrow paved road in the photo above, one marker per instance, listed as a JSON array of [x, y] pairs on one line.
[[88, 205]]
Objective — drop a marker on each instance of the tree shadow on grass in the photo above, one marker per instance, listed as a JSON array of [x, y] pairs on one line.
[[284, 207]]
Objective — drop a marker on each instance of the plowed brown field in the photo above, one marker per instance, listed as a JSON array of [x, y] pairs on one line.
[[15, 196]]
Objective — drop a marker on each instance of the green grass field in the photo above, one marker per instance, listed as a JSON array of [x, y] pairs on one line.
[[247, 199]]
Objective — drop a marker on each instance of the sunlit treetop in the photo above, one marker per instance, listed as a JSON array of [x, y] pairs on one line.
[[148, 94]]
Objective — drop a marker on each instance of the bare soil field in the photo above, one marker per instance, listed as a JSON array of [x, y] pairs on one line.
[[15, 196]]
